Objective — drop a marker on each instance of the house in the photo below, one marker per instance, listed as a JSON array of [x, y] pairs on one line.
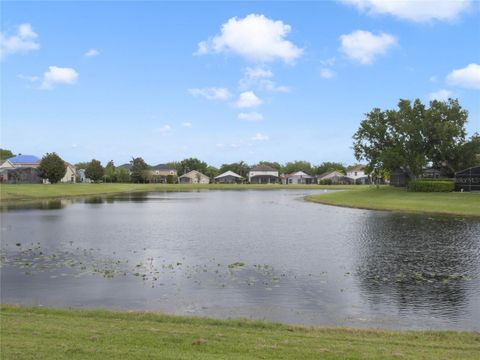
[[228, 177], [333, 177], [30, 161], [82, 177], [263, 174], [358, 174], [6, 164], [194, 177], [468, 179], [70, 174], [298, 177], [398, 178], [20, 175], [160, 173]]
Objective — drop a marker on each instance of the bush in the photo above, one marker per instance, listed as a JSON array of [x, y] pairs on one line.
[[326, 182], [431, 186]]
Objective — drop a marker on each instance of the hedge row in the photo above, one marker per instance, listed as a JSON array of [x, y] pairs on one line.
[[430, 186]]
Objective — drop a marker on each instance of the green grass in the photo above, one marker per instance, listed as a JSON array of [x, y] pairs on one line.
[[38, 333], [390, 198], [21, 192]]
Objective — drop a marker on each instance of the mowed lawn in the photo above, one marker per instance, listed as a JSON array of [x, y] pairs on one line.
[[14, 192], [390, 198], [38, 333]]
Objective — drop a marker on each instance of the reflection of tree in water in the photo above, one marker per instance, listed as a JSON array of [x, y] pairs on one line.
[[419, 262]]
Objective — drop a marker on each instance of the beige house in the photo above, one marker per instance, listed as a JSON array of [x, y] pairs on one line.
[[160, 173], [194, 177], [70, 174]]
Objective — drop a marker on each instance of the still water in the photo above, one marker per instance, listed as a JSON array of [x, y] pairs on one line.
[[264, 254]]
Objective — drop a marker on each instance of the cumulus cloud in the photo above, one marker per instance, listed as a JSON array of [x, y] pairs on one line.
[[28, 77], [329, 62], [364, 46], [440, 95], [327, 73], [250, 116], [56, 75], [187, 124], [23, 41], [260, 137], [248, 99], [413, 10], [211, 93], [467, 77], [255, 37], [92, 53]]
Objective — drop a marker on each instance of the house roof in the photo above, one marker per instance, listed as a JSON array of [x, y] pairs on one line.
[[263, 167], [298, 173], [329, 173], [24, 159], [356, 168], [228, 173], [162, 167], [193, 173]]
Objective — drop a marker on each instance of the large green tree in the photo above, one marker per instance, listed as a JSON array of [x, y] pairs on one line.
[[5, 154], [190, 164], [241, 168], [52, 167], [94, 170], [110, 172], [273, 164], [412, 137], [139, 170], [329, 166], [298, 165]]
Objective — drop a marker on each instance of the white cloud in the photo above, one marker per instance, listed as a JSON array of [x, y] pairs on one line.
[[250, 116], [364, 46], [440, 95], [92, 53], [329, 62], [58, 75], [327, 73], [260, 78], [433, 78], [187, 124], [248, 99], [260, 137], [468, 77], [28, 78], [414, 10], [211, 93], [23, 41], [163, 129], [254, 37]]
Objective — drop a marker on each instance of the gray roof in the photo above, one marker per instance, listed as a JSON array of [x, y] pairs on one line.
[[263, 167]]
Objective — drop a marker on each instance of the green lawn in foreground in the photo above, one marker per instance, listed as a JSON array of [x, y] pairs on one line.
[[9, 192], [37, 333], [390, 198]]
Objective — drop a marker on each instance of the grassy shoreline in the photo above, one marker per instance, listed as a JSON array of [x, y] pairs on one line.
[[395, 199], [29, 192], [41, 333]]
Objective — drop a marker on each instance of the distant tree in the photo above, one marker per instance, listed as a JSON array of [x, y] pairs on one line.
[[241, 168], [190, 164], [52, 167], [175, 165], [5, 154], [171, 179], [81, 165], [211, 172], [274, 165], [329, 166], [122, 175], [110, 172], [467, 155], [139, 170], [298, 165], [94, 170], [412, 136]]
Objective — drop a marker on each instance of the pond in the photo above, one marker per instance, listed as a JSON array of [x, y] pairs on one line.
[[262, 254]]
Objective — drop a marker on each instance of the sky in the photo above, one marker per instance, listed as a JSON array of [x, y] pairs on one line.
[[225, 81]]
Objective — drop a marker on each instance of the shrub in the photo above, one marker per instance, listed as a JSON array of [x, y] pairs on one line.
[[430, 186], [326, 182]]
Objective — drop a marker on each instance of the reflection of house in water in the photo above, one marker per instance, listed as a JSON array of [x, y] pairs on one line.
[[424, 271]]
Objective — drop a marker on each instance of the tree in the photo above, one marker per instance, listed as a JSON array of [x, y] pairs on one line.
[[329, 166], [94, 170], [110, 172], [274, 165], [211, 172], [52, 167], [5, 154], [190, 164], [241, 168], [298, 165], [82, 165], [139, 170], [411, 137], [122, 175]]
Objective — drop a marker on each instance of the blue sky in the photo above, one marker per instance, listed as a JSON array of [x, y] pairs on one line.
[[224, 81]]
